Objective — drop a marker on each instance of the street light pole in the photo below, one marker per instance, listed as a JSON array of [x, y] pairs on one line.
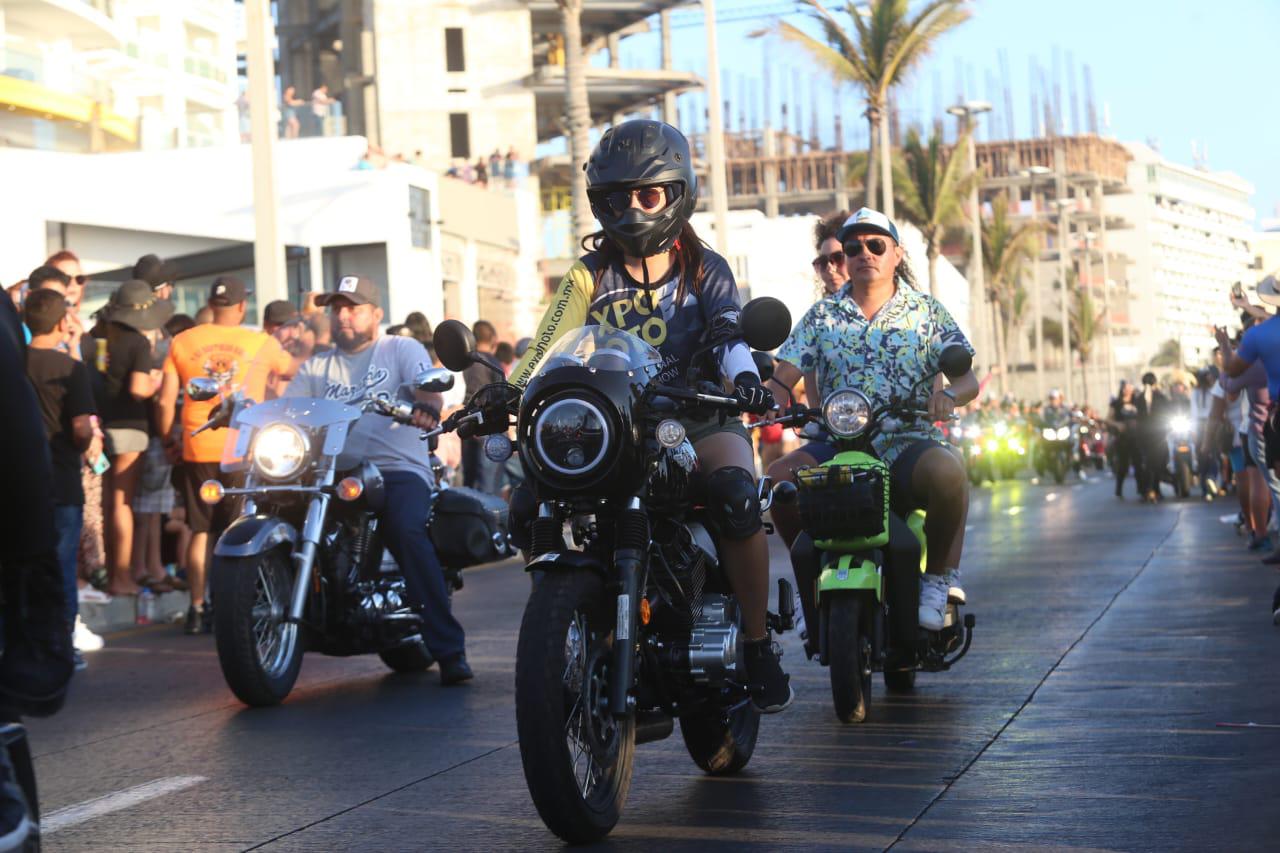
[[1106, 289], [1063, 235], [965, 112], [715, 134], [270, 280], [1032, 173]]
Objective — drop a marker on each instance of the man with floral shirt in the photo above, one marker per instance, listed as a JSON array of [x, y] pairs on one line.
[[884, 338]]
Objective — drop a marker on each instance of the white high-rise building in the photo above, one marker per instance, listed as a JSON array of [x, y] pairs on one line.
[[1189, 243], [114, 75]]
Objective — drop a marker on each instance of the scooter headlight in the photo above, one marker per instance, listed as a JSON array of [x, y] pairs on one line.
[[280, 451], [846, 413], [1064, 433], [1049, 433]]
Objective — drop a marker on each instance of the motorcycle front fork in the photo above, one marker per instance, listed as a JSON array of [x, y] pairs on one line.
[[304, 556]]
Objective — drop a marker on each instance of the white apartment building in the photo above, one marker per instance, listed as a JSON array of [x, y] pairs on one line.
[[1189, 243], [112, 75]]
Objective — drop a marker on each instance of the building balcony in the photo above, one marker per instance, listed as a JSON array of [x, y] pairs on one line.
[[33, 87], [600, 18], [87, 24], [611, 91]]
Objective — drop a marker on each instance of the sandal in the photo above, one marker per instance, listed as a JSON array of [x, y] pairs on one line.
[[157, 587]]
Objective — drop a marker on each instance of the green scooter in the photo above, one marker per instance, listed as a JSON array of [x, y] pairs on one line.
[[857, 563]]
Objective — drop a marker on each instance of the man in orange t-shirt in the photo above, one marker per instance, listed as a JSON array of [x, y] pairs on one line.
[[223, 350]]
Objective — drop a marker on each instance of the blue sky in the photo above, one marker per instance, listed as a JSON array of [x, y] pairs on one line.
[[1170, 71]]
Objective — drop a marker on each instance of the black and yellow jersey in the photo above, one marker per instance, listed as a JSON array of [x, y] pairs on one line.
[[597, 293]]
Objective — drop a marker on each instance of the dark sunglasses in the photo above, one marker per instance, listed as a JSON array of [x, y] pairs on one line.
[[836, 258], [81, 280], [651, 199], [874, 245]]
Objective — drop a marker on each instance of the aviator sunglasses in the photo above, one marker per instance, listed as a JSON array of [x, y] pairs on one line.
[[651, 199], [875, 246]]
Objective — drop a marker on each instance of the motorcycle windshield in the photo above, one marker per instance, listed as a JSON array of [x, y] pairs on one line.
[[248, 392], [602, 348], [313, 420]]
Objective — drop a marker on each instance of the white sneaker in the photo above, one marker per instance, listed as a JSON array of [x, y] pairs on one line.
[[955, 592], [933, 602], [92, 595], [84, 639]]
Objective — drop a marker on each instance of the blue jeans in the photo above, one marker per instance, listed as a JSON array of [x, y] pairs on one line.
[[67, 521], [404, 528]]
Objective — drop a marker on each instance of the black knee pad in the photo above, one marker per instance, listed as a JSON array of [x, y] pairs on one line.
[[733, 504], [521, 511]]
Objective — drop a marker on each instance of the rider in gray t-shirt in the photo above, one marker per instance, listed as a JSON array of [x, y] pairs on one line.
[[362, 365]]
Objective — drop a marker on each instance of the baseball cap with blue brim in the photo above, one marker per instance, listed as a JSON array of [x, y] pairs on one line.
[[357, 289], [868, 221]]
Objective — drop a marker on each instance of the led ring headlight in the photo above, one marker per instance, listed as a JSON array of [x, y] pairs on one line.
[[1064, 433], [571, 436], [846, 413], [279, 451]]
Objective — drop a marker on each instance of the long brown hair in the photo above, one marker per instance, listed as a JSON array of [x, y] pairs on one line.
[[689, 248]]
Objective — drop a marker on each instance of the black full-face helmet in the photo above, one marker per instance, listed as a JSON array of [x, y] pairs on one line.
[[634, 154]]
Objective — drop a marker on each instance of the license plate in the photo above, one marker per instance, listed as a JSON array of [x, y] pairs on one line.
[[1182, 448]]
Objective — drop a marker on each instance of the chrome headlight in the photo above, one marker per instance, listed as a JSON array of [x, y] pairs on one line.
[[1049, 433], [279, 451], [847, 413], [1064, 433], [571, 436]]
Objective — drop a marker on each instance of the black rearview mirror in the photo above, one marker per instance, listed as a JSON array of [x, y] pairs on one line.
[[454, 345], [955, 361], [765, 323]]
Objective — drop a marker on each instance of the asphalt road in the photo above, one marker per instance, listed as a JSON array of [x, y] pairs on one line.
[[1113, 640]]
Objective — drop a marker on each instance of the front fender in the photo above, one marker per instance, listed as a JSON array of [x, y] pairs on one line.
[[255, 534], [565, 561], [850, 573]]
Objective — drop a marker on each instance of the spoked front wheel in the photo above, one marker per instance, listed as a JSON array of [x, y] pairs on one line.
[[259, 650], [576, 755]]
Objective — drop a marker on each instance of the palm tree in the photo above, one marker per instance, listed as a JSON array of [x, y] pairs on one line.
[[1086, 323], [1005, 253], [931, 186], [887, 41], [577, 115]]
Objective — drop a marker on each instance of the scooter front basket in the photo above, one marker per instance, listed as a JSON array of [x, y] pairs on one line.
[[845, 506]]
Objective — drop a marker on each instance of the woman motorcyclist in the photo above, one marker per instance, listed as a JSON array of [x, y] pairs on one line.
[[884, 337], [1127, 448], [648, 273]]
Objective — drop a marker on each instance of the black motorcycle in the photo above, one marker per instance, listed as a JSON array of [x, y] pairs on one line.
[[303, 568], [1055, 454], [638, 626]]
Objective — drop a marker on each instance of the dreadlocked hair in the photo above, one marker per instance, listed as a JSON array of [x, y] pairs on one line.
[[689, 253]]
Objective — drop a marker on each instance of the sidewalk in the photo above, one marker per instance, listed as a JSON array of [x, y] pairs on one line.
[[121, 613]]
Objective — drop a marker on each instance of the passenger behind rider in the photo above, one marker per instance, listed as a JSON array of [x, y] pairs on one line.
[[363, 364], [647, 271], [880, 335]]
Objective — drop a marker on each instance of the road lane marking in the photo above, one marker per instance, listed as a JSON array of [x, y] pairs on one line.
[[104, 805]]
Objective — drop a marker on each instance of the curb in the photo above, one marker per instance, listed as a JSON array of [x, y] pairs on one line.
[[122, 612]]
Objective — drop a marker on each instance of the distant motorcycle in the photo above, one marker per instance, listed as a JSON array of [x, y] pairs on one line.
[[1091, 444], [1054, 455], [1182, 455]]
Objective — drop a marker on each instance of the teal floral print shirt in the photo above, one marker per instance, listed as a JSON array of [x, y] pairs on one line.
[[884, 357]]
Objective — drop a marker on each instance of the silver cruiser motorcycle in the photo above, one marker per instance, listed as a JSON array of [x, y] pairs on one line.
[[303, 567]]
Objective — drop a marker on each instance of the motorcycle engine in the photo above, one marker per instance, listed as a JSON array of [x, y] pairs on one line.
[[711, 653], [698, 629]]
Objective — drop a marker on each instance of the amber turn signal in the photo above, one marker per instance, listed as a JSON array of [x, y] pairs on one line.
[[645, 611], [211, 491], [350, 488]]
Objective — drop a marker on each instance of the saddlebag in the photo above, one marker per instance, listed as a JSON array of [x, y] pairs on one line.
[[469, 527]]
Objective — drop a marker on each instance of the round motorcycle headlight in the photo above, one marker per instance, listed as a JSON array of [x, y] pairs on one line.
[[571, 436], [992, 445], [846, 413], [1049, 433], [1181, 423], [1000, 429], [1064, 433], [279, 451]]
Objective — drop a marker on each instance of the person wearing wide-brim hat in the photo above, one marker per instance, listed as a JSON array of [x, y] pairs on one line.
[[130, 380]]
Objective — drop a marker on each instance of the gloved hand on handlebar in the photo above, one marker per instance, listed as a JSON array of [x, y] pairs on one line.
[[754, 398], [425, 416]]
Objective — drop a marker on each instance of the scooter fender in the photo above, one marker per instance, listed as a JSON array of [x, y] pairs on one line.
[[850, 573], [553, 561], [250, 535]]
